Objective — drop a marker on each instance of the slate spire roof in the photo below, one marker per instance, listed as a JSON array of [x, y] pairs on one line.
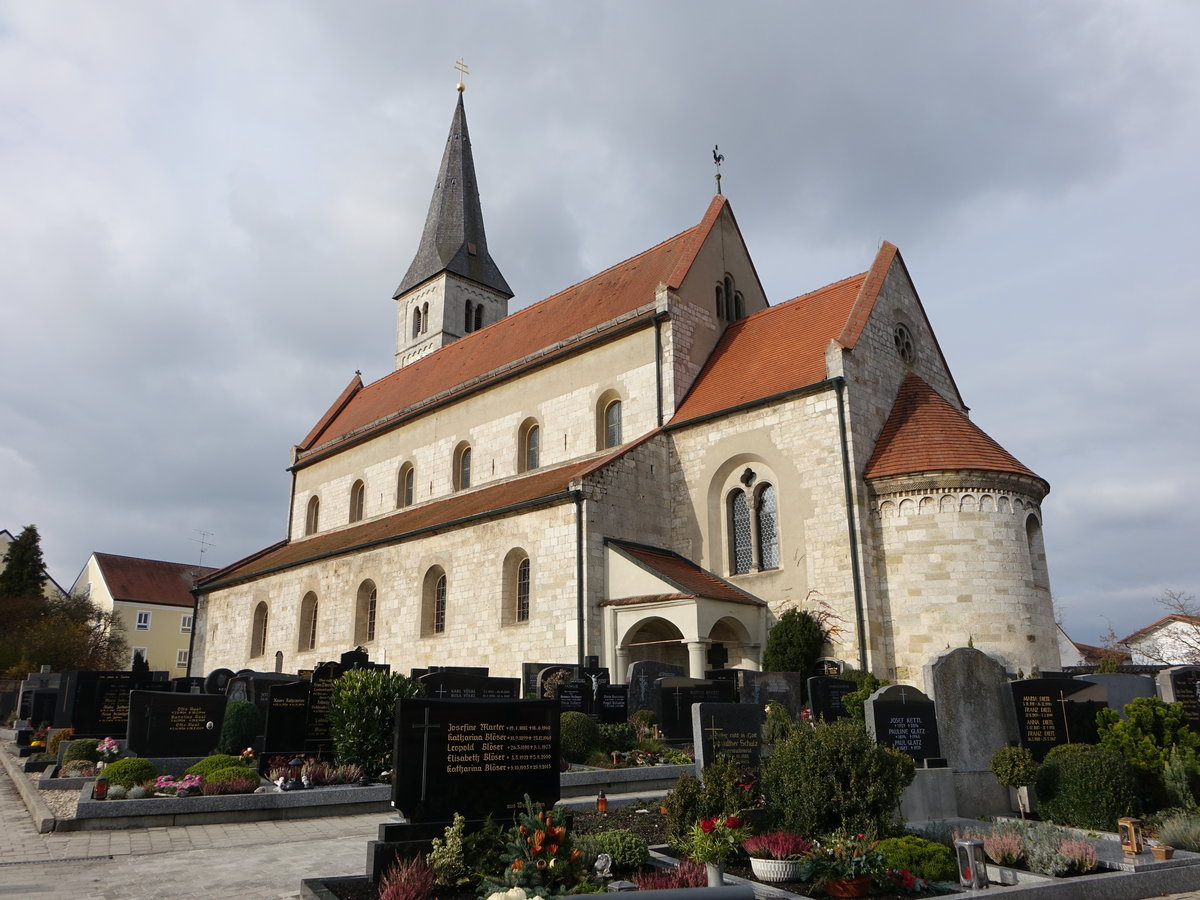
[[454, 240]]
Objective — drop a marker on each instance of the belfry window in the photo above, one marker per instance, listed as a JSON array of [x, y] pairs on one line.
[[730, 303], [416, 328], [468, 318]]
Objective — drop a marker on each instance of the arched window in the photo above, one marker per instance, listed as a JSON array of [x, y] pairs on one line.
[[468, 317], [364, 613], [721, 312], [462, 466], [522, 611], [405, 484], [1037, 553], [312, 516], [424, 318], [308, 622], [731, 305], [479, 317], [612, 424], [529, 446], [767, 515], [358, 494], [258, 630], [741, 552], [433, 602], [739, 306], [416, 321]]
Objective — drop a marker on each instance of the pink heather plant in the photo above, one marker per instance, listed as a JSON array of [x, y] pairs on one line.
[[1003, 847], [776, 845], [1081, 853], [687, 874]]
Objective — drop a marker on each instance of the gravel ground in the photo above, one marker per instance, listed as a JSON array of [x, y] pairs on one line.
[[61, 803]]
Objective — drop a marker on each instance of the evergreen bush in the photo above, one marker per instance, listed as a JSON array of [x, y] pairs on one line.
[[578, 736], [833, 776], [83, 749], [1145, 737], [243, 723], [1085, 786], [205, 767], [232, 773], [722, 793], [628, 851], [619, 736], [923, 858], [362, 716], [794, 644], [131, 772], [56, 739]]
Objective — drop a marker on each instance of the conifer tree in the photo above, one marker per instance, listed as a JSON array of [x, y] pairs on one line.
[[24, 572]]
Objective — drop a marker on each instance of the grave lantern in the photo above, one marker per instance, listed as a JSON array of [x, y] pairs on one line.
[[294, 766], [601, 803], [972, 867], [100, 788], [1130, 830]]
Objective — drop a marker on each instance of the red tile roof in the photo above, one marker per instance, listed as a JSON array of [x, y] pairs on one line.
[[925, 433], [601, 304], [773, 351], [689, 578], [1160, 623], [149, 580]]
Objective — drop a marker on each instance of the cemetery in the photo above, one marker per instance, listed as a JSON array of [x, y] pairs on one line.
[[567, 780]]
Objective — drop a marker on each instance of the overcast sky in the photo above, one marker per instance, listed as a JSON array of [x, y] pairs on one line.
[[206, 207]]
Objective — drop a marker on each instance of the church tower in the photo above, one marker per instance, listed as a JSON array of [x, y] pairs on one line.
[[452, 287]]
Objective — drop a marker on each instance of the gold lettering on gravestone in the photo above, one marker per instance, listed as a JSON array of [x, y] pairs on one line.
[[187, 718], [740, 746], [114, 705], [487, 747], [1038, 713]]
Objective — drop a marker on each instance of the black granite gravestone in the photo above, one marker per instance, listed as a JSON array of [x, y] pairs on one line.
[[255, 687], [551, 677], [474, 757], [827, 666], [42, 705], [529, 676], [825, 694], [902, 717], [477, 671], [676, 696], [192, 684], [286, 729], [1053, 711], [732, 730], [733, 676], [1181, 684], [96, 704], [611, 705], [170, 724], [217, 681], [457, 686], [319, 736], [574, 696], [642, 677]]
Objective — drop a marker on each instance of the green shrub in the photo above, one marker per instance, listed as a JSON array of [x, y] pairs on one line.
[[1015, 767], [1178, 776], [211, 764], [833, 776], [617, 737], [1181, 831], [643, 722], [232, 773], [628, 850], [1086, 786], [1145, 738], [923, 858], [855, 701], [52, 745], [243, 723], [794, 644], [116, 792], [83, 748], [131, 772], [362, 716], [578, 736], [778, 723], [689, 801]]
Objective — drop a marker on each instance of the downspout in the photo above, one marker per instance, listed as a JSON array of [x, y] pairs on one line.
[[579, 629], [859, 614], [192, 634], [658, 363]]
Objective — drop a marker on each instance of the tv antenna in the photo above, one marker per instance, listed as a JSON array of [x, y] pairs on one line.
[[203, 542]]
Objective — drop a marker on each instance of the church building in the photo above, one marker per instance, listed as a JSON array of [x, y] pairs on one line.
[[654, 463]]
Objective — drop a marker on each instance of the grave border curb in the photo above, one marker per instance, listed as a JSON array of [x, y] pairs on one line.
[[43, 818]]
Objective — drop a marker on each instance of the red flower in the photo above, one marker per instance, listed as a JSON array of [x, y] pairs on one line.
[[708, 826], [733, 822]]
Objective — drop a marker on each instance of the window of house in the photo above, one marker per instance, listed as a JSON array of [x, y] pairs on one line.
[[185, 624], [752, 524], [364, 613], [358, 495], [522, 610], [405, 485], [312, 515], [258, 630], [143, 620], [181, 659], [462, 466], [135, 652], [439, 606], [308, 622]]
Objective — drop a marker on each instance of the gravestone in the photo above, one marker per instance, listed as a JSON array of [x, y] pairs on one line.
[[1181, 684], [217, 681], [42, 705], [827, 666], [733, 676], [825, 693], [675, 699], [286, 729], [786, 688], [255, 687], [477, 671], [611, 705], [96, 704], [457, 686], [358, 658], [1122, 689], [574, 696], [529, 676], [551, 677], [642, 677], [192, 684], [733, 730], [320, 736], [169, 724], [474, 757], [902, 717], [1053, 711]]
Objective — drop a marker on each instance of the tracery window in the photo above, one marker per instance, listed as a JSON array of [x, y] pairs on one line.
[[768, 527], [741, 540], [753, 525]]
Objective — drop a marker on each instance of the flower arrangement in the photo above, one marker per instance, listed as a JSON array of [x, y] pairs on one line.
[[717, 839], [543, 858], [776, 845], [842, 856], [247, 757], [166, 784], [109, 749], [901, 881]]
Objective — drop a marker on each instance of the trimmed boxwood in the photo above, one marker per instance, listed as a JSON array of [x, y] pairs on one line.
[[211, 764], [82, 749], [923, 858], [1085, 786], [130, 772], [578, 736], [230, 773], [243, 723]]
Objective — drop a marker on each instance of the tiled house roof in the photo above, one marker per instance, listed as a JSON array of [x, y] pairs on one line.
[[689, 578], [925, 433], [593, 308], [149, 580]]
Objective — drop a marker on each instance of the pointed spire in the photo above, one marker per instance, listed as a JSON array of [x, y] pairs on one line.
[[454, 240]]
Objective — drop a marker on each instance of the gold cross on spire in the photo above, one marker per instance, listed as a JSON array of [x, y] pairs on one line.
[[463, 70]]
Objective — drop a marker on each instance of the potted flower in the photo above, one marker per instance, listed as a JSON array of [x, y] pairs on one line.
[[109, 749], [776, 855], [844, 865], [715, 841]]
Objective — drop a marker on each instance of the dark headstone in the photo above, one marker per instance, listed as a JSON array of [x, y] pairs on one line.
[[42, 705], [827, 666], [192, 684], [170, 724], [574, 696], [355, 659], [319, 735], [676, 696], [825, 693], [717, 656], [1053, 711], [286, 729], [642, 677], [551, 677], [902, 717], [217, 681], [96, 704], [25, 706], [1181, 684], [474, 757], [732, 730], [529, 676], [1122, 689], [611, 705], [477, 671], [456, 686], [733, 676], [255, 687], [787, 688]]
